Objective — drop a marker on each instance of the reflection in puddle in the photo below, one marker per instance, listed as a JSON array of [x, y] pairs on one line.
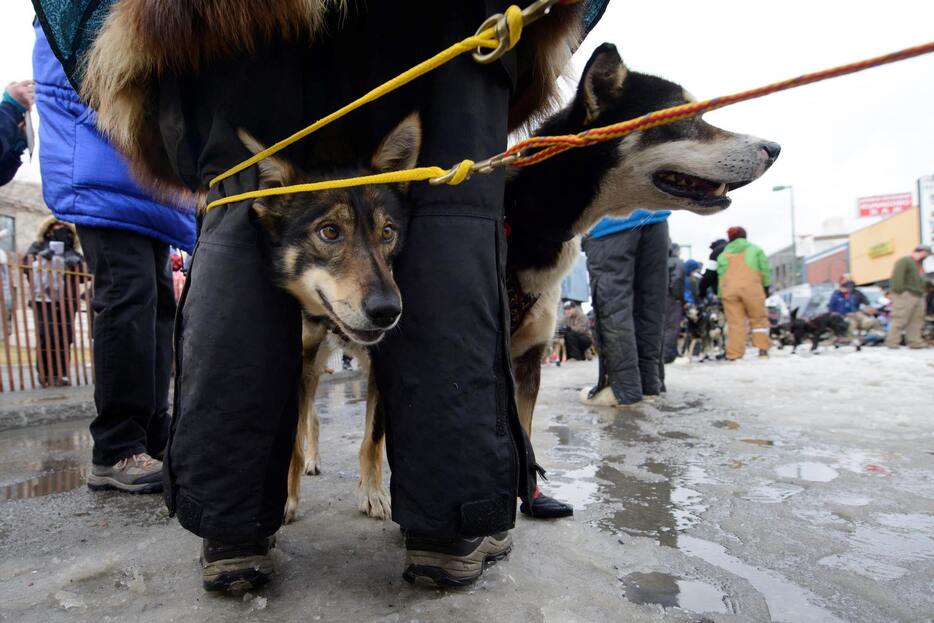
[[772, 493], [671, 407], [672, 592], [811, 471], [575, 446], [58, 476], [40, 465], [882, 552], [657, 508], [334, 396], [786, 601]]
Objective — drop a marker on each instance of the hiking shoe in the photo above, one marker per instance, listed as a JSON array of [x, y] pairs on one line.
[[763, 353], [452, 562], [236, 568], [139, 473]]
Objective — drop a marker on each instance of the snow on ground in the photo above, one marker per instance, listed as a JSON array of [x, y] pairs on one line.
[[798, 488]]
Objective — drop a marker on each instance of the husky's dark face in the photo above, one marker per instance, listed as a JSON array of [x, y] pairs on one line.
[[687, 165], [333, 249]]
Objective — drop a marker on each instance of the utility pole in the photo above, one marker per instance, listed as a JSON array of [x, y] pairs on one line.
[[794, 237]]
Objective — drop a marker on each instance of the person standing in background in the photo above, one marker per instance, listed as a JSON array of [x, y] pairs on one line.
[[54, 251], [17, 100], [692, 278], [125, 236], [674, 303], [628, 264], [709, 282], [908, 288], [743, 273], [574, 327]]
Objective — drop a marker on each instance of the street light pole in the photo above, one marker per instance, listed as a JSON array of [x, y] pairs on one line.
[[794, 237]]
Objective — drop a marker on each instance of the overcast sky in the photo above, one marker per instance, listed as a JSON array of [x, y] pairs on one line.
[[867, 134]]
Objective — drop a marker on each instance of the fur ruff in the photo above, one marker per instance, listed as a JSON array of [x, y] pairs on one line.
[[142, 38]]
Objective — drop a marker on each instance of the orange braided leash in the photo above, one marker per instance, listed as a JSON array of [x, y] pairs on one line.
[[544, 147]]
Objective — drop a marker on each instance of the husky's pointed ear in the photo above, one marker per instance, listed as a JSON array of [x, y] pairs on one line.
[[399, 149], [273, 171], [602, 80]]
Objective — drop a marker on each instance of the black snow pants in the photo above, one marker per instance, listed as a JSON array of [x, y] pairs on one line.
[[134, 308], [629, 284], [456, 449], [454, 444]]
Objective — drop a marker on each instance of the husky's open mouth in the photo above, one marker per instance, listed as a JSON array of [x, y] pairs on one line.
[[707, 193]]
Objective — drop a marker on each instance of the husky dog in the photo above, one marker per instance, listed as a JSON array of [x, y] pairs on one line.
[[333, 251], [688, 165], [703, 337]]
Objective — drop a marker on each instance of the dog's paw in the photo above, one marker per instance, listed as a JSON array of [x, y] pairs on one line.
[[291, 511], [313, 466], [374, 502]]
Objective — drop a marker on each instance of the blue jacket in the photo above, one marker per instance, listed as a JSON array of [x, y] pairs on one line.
[[842, 304], [12, 139], [639, 218], [689, 267], [84, 180]]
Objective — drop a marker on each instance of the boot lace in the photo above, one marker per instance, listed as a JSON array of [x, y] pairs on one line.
[[141, 460]]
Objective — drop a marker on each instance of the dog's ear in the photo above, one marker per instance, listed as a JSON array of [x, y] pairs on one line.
[[601, 81], [399, 149], [273, 172]]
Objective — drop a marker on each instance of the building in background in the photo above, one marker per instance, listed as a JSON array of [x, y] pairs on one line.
[[21, 210], [786, 272], [926, 216], [829, 265], [875, 249], [785, 268]]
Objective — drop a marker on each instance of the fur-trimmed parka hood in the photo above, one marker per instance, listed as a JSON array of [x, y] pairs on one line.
[[141, 39], [46, 225]]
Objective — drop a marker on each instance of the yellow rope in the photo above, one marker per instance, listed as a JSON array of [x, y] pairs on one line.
[[546, 146], [485, 39], [393, 177]]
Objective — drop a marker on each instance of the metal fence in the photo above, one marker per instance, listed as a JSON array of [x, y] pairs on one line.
[[48, 324]]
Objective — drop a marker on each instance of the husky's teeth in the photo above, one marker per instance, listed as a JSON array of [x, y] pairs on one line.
[[721, 190]]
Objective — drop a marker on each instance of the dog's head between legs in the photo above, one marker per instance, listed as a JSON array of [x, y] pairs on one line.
[[333, 249]]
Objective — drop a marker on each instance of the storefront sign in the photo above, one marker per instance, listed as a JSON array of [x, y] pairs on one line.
[[883, 205], [883, 248]]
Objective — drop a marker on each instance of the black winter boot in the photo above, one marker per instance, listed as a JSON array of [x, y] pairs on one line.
[[237, 567]]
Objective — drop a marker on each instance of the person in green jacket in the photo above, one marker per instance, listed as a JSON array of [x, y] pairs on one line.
[[908, 288], [743, 271]]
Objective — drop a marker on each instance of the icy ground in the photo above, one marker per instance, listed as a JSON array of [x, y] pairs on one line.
[[795, 489]]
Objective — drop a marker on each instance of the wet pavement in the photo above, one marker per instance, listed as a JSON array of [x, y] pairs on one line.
[[796, 489]]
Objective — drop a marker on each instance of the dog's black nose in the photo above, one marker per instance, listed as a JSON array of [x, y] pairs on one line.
[[772, 149], [382, 310]]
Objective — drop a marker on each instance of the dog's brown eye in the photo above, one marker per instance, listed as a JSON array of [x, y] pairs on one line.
[[329, 233], [389, 233]]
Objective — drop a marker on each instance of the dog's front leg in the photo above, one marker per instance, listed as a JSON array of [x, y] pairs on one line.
[[372, 498], [298, 449], [313, 357], [528, 372]]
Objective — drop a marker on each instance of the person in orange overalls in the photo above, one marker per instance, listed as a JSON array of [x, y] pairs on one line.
[[744, 276]]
